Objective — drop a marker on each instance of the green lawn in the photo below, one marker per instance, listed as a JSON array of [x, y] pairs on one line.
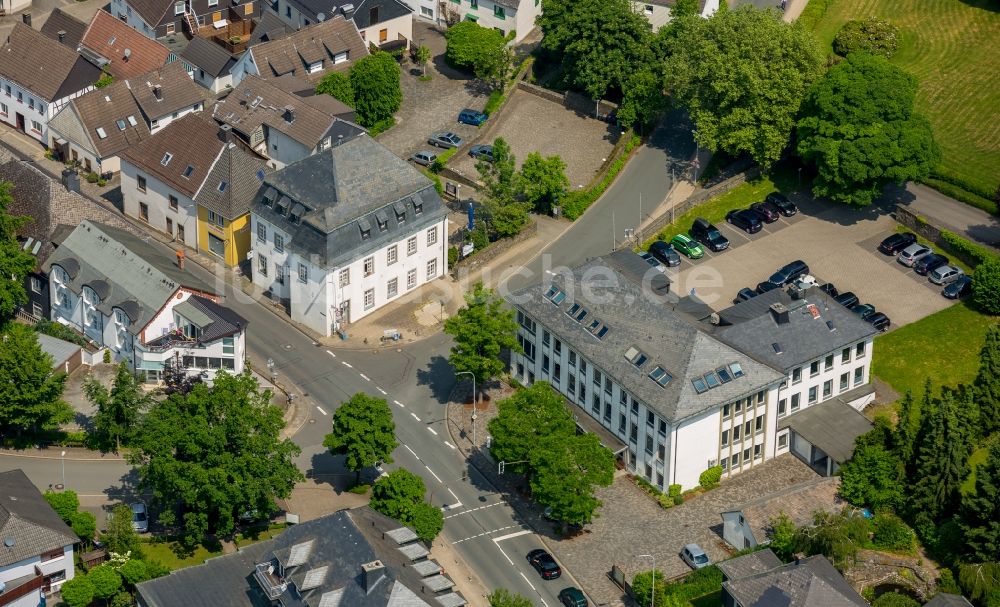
[[952, 47], [943, 346], [164, 553]]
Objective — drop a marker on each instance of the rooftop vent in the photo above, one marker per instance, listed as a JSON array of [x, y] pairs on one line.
[[829, 325], [780, 313], [126, 55], [347, 9], [9, 542], [372, 573], [62, 35]]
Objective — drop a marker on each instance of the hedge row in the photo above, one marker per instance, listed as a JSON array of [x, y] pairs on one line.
[[961, 194], [972, 253], [575, 203], [813, 12]]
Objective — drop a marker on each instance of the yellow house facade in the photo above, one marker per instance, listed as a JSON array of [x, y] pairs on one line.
[[227, 240]]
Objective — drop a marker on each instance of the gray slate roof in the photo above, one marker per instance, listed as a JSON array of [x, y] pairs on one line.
[[943, 599], [340, 542], [636, 318], [831, 425], [215, 321], [60, 350], [799, 502], [238, 170], [760, 561], [387, 9], [209, 56], [359, 182], [810, 582], [269, 27], [29, 520], [750, 327]]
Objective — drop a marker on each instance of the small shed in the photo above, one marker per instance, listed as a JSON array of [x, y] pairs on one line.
[[66, 356]]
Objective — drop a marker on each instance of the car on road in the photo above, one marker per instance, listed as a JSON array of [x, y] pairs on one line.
[[665, 253], [140, 517], [830, 289], [897, 242], [879, 320], [544, 564], [959, 288], [424, 157], [482, 151], [687, 245], [945, 274], [929, 263], [764, 287], [572, 597], [473, 117], [847, 299], [767, 211], [864, 310], [785, 206], [911, 254], [746, 220], [709, 235], [445, 139], [652, 261], [789, 273], [695, 557], [744, 294]]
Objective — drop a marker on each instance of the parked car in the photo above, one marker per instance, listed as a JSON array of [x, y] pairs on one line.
[[445, 140], [544, 564], [483, 151], [764, 287], [140, 517], [572, 597], [472, 117], [695, 557], [864, 310], [911, 254], [709, 235], [847, 299], [945, 274], [897, 242], [880, 321], [929, 263], [767, 211], [687, 245], [665, 253], [652, 261], [744, 294], [424, 157], [789, 273], [785, 206], [960, 288], [746, 220], [830, 289]]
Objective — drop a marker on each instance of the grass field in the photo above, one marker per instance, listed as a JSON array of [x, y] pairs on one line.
[[952, 47]]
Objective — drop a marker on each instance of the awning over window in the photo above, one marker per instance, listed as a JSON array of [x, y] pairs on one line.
[[471, 17]]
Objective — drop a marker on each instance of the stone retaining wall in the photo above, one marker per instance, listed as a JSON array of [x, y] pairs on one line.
[[496, 249], [698, 197]]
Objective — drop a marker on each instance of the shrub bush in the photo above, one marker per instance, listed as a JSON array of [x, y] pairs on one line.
[[961, 194], [813, 12], [674, 490], [91, 177], [360, 488], [107, 357], [891, 533], [494, 102], [452, 256], [971, 253], [699, 583], [479, 238], [54, 329], [871, 35], [710, 478], [575, 203], [986, 287], [678, 500], [894, 599], [665, 501]]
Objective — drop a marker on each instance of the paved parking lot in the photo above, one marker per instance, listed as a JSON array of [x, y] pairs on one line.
[[532, 124], [836, 242]]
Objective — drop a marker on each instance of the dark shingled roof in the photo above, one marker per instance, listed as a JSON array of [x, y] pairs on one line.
[[387, 10], [339, 187], [178, 90], [192, 140], [750, 327], [238, 170], [62, 73], [293, 53], [269, 27], [639, 319], [209, 56], [331, 550], [810, 582], [220, 320], [61, 21], [832, 425], [760, 561], [28, 520], [102, 109], [151, 11], [943, 599]]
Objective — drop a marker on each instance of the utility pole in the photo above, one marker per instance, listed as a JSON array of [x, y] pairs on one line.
[[473, 376]]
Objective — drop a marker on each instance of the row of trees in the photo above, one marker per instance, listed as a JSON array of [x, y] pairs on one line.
[[371, 87]]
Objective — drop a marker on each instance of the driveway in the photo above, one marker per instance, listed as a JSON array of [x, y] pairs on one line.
[[631, 523], [946, 212], [837, 242]]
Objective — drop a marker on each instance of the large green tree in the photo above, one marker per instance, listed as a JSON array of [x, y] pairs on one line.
[[505, 213], [77, 592], [524, 420], [400, 495], [741, 75], [118, 409], [782, 534], [987, 383], [120, 536], [501, 597], [214, 453], [642, 99], [30, 389], [649, 588], [106, 581], [482, 329], [907, 426], [65, 503], [377, 92], [600, 42], [15, 263], [981, 510], [481, 50], [364, 432], [986, 286], [542, 181], [859, 129], [338, 86], [941, 465], [566, 473], [874, 476]]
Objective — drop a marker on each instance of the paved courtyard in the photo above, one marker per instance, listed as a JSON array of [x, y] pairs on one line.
[[631, 523], [530, 123]]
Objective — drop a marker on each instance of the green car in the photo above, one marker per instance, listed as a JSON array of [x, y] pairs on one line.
[[687, 245]]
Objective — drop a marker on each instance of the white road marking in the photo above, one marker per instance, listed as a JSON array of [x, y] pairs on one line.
[[512, 535], [399, 403], [432, 431], [381, 390], [454, 496], [411, 451], [434, 475], [331, 354], [364, 377], [450, 446], [470, 510], [526, 580], [472, 537], [321, 409], [414, 416], [448, 507], [347, 364], [503, 553]]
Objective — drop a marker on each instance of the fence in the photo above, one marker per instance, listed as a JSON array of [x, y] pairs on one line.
[[496, 249], [971, 253]]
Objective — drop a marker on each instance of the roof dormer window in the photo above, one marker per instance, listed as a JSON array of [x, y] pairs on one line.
[[188, 171], [166, 159]]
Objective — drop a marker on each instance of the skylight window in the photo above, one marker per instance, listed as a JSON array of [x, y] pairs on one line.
[[555, 295], [724, 375], [222, 186], [634, 356], [132, 120], [121, 124], [187, 172], [260, 174], [660, 376], [112, 40], [777, 348], [712, 380], [166, 159], [601, 332], [699, 385], [577, 312], [736, 369], [101, 133]]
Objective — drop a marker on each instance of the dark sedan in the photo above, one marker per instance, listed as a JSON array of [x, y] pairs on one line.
[[764, 287], [959, 288], [746, 220], [848, 299], [897, 242], [665, 254], [830, 289], [785, 206], [544, 564], [745, 294], [864, 310], [929, 263], [879, 320], [767, 211]]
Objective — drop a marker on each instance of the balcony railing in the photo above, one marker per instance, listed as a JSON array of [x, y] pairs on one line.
[[171, 340], [32, 585]]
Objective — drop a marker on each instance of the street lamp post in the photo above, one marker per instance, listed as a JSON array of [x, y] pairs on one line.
[[62, 458], [473, 376], [652, 586]]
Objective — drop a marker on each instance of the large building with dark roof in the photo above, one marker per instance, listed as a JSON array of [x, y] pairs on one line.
[[759, 579], [674, 389], [345, 231]]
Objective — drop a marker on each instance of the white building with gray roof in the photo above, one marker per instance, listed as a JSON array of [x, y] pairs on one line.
[[346, 231]]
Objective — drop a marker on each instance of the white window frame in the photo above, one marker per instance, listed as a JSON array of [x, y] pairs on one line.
[[391, 255], [432, 236], [369, 299], [345, 277], [432, 265], [411, 246], [178, 8], [411, 278], [369, 266], [392, 288], [303, 273]]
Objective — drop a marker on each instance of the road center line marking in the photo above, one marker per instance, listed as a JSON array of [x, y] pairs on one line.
[[399, 403], [434, 475], [432, 430], [331, 354], [346, 364], [411, 451], [414, 416], [364, 377], [321, 409], [471, 510], [450, 446], [526, 580], [512, 535], [381, 390], [454, 496]]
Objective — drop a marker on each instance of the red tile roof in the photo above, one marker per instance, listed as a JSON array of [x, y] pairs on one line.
[[111, 38]]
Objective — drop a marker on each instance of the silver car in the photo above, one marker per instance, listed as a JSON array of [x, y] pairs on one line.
[[913, 253], [945, 275], [140, 517], [445, 140], [695, 557], [424, 157]]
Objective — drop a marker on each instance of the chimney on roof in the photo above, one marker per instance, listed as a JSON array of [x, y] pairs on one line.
[[158, 92], [289, 114], [371, 574], [26, 18], [780, 313], [62, 35], [226, 133]]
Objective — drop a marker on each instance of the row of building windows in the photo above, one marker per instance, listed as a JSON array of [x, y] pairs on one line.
[[812, 395], [32, 104], [209, 362], [280, 271], [827, 362], [392, 285]]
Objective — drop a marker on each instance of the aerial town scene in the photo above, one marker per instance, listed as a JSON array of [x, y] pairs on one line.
[[500, 303]]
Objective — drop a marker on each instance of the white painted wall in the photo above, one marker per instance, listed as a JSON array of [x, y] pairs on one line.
[[27, 568], [400, 26], [156, 197], [132, 18], [657, 14], [158, 122], [216, 85], [735, 532], [283, 150], [33, 107]]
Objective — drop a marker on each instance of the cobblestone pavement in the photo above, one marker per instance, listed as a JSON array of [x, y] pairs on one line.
[[630, 523], [532, 124]]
